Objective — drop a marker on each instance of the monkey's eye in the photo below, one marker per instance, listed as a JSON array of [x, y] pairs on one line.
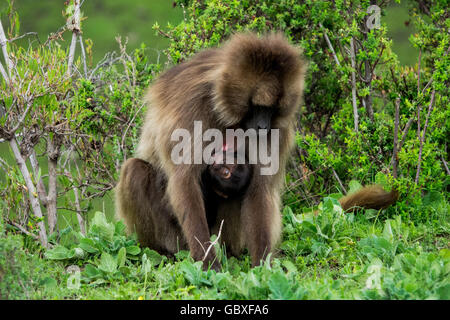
[[225, 173]]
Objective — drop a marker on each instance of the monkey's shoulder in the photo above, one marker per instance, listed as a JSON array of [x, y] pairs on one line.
[[201, 62]]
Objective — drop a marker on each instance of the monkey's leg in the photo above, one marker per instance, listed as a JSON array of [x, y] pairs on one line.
[[186, 199], [233, 232], [262, 220]]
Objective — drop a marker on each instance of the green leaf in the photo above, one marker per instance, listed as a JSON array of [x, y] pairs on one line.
[[133, 250], [119, 228], [101, 227], [107, 263], [387, 231], [289, 266], [88, 245], [91, 271], [48, 282], [59, 253], [279, 287], [354, 186], [121, 257], [154, 257]]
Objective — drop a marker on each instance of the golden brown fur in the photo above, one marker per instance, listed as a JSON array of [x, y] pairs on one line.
[[144, 209], [370, 197], [218, 87]]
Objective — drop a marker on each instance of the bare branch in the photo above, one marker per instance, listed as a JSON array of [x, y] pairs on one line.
[[83, 55], [74, 26], [40, 184], [3, 72], [418, 72], [22, 229], [22, 118], [3, 42], [395, 149], [34, 202], [330, 46], [422, 139], [353, 61], [339, 181], [405, 132], [26, 35]]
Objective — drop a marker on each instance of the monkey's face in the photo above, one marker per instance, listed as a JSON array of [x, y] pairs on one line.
[[259, 117], [259, 83], [229, 180]]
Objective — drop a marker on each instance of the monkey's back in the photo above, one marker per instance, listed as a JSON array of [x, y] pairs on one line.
[[141, 202], [180, 96]]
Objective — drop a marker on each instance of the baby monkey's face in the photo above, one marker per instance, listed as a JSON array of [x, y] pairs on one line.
[[230, 180]]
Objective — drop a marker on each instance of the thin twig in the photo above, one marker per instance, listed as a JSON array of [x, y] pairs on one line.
[[395, 149], [22, 229], [422, 139], [22, 118], [445, 165], [330, 46], [355, 107], [214, 242], [339, 181], [25, 35], [418, 71]]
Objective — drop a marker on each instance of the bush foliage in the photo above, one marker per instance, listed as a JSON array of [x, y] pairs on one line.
[[69, 126]]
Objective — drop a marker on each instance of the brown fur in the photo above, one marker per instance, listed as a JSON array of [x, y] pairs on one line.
[[217, 87], [147, 212], [370, 197], [143, 207]]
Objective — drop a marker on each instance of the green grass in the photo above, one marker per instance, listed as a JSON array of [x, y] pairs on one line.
[[328, 256]]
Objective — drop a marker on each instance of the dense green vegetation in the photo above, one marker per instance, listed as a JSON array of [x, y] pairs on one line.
[[86, 123]]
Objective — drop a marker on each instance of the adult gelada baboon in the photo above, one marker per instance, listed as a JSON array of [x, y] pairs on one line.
[[250, 82], [143, 197]]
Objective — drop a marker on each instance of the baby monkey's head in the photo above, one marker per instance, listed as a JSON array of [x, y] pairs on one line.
[[229, 180]]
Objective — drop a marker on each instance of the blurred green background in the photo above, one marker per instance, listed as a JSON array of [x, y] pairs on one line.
[[134, 19], [106, 19]]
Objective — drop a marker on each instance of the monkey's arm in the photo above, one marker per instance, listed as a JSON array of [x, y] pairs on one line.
[[370, 197], [186, 199], [261, 218]]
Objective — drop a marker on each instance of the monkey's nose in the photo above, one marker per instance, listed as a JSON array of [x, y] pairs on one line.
[[262, 125]]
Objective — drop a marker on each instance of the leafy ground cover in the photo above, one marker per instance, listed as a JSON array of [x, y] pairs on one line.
[[328, 255]]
